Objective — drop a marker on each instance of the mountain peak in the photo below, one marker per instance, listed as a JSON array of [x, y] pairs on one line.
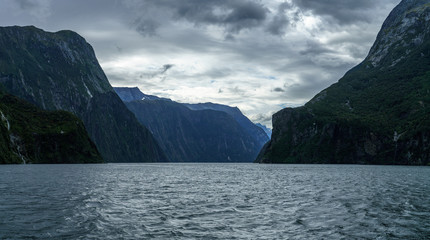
[[404, 30], [129, 94]]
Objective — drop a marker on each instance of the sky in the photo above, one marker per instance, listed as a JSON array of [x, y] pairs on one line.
[[258, 55]]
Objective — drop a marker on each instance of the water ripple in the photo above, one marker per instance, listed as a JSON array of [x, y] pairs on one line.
[[214, 201]]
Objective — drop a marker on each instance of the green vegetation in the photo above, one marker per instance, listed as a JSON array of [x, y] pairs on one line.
[[31, 135]]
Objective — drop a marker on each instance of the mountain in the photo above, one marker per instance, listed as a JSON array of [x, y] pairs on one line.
[[132, 94], [253, 130], [378, 113], [186, 135], [31, 135], [59, 71], [267, 130]]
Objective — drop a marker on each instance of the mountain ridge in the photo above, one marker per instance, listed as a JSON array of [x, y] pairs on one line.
[[257, 132], [186, 135]]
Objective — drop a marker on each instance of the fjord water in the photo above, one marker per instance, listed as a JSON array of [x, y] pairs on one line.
[[214, 201]]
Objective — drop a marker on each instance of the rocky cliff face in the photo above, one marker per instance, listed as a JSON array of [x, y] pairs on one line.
[[188, 135], [405, 29], [31, 135], [53, 70], [378, 113], [267, 130], [59, 71]]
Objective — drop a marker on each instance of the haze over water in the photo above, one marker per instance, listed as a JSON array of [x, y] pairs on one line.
[[214, 201]]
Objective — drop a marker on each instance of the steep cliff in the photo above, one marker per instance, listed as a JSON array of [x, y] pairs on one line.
[[31, 135], [188, 135], [378, 113], [59, 71], [267, 130]]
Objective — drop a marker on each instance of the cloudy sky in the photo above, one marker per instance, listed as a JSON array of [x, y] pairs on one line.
[[258, 55]]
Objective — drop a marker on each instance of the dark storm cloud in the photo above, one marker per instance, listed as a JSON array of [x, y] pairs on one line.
[[166, 67], [160, 73], [234, 16], [278, 89], [281, 20], [146, 27], [343, 12]]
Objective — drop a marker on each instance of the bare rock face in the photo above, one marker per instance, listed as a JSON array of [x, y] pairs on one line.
[[59, 71], [404, 29], [378, 113], [54, 70]]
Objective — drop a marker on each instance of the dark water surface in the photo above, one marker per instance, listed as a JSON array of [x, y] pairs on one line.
[[214, 201]]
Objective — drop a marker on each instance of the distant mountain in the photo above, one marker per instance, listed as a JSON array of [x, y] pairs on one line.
[[267, 130], [256, 132], [378, 113], [132, 94], [187, 135], [59, 71], [31, 135]]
